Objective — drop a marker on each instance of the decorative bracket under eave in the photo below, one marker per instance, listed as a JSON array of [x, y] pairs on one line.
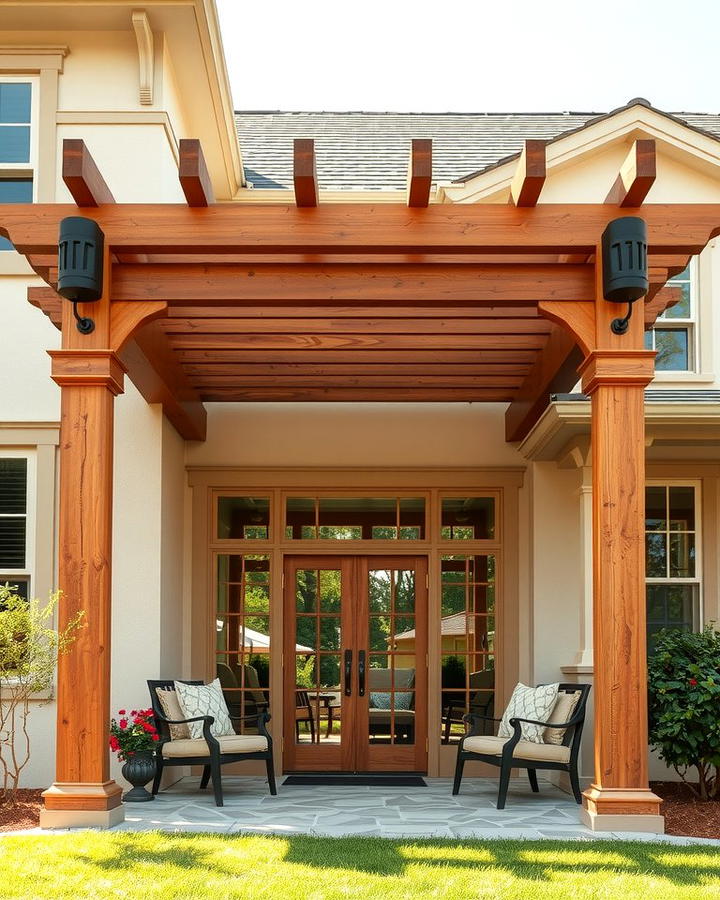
[[146, 54]]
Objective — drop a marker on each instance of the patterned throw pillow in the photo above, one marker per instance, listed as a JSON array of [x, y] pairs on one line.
[[529, 703], [563, 711], [204, 700], [381, 699], [172, 709]]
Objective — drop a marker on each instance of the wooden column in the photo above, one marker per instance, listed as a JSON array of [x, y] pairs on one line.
[[615, 375], [90, 377]]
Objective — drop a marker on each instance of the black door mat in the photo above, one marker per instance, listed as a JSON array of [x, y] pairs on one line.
[[360, 780]]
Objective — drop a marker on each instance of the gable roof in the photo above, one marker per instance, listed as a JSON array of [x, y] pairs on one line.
[[369, 150]]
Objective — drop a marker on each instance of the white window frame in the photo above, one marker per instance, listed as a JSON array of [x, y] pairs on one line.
[[28, 169], [689, 324], [697, 579], [31, 493]]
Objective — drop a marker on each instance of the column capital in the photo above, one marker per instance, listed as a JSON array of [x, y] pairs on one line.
[[92, 368], [630, 368]]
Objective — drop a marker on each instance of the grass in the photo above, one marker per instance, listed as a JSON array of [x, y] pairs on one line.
[[161, 866]]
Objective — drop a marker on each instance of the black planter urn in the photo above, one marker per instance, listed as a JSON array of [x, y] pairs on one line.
[[139, 770]]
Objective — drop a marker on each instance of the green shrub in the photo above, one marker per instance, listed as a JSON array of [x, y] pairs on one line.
[[684, 705]]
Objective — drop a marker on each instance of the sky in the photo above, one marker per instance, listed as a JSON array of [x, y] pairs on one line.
[[460, 56]]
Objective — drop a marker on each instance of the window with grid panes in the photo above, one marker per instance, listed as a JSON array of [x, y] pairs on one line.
[[671, 567], [13, 523], [467, 635], [673, 335], [242, 645], [16, 174]]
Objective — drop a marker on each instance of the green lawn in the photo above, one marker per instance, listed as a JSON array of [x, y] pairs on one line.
[[167, 866]]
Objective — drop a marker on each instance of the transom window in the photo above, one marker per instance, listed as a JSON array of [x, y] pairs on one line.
[[16, 175], [673, 335], [243, 518], [355, 518], [468, 518], [671, 565]]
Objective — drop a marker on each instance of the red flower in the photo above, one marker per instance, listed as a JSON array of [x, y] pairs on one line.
[[123, 723], [156, 737], [693, 681], [114, 743], [121, 712], [133, 712]]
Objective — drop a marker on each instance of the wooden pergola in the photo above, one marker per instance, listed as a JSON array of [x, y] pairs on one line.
[[209, 301]]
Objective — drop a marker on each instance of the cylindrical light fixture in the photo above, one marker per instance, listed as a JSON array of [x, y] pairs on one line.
[[80, 265], [624, 262]]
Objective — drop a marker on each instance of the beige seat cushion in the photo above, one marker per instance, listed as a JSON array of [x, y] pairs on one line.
[[229, 743], [563, 711], [172, 709], [492, 746]]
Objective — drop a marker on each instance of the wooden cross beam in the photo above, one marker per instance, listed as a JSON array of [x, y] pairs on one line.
[[82, 177], [193, 174], [529, 175], [305, 172], [637, 175], [419, 173]]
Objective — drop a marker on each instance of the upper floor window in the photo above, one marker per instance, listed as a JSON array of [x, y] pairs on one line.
[[673, 335], [16, 173]]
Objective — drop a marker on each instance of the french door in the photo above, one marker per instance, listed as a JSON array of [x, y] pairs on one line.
[[355, 664]]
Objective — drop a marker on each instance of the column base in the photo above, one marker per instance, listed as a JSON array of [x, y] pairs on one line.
[[622, 809], [647, 824], [78, 805]]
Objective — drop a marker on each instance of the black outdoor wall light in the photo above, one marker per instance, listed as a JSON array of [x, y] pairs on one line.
[[624, 262], [80, 265]]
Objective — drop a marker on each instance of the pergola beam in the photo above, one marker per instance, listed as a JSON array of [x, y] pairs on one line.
[[637, 175], [82, 177], [419, 173], [193, 174], [459, 229], [305, 173], [411, 284], [530, 174]]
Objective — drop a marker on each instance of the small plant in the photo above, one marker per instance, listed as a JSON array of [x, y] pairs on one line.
[[132, 732], [684, 705], [29, 649]]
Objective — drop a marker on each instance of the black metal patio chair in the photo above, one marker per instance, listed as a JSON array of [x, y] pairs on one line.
[[513, 752], [209, 751]]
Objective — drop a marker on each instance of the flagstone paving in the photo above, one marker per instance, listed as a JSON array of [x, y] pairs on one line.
[[334, 811]]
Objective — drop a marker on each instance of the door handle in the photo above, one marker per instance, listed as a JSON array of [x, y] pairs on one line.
[[361, 672], [348, 673]]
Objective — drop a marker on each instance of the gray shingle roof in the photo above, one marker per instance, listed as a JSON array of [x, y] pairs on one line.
[[366, 150]]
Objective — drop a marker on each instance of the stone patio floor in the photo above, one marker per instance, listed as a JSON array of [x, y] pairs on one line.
[[429, 811]]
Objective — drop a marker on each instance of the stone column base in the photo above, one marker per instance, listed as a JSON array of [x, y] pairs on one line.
[[82, 805], [609, 822], [82, 818]]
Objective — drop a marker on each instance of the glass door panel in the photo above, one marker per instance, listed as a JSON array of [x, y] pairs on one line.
[[393, 627], [318, 629]]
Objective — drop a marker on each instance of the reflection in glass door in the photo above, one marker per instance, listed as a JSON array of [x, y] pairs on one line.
[[355, 682]]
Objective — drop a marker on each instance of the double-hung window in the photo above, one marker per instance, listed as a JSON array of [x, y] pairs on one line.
[[16, 144], [673, 336], [15, 534], [672, 566]]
